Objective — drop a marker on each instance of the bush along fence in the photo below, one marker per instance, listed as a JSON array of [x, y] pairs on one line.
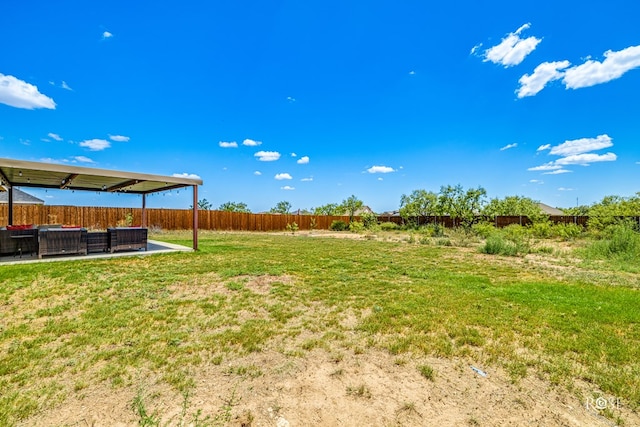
[[180, 219]]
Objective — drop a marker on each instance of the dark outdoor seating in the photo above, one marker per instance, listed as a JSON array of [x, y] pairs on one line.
[[97, 241], [127, 238], [62, 241], [18, 241]]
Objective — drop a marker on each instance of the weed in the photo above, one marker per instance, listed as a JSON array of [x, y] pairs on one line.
[[359, 391], [427, 372]]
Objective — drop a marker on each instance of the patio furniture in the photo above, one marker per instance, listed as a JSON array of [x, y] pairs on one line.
[[127, 238], [97, 241], [62, 241], [18, 241]]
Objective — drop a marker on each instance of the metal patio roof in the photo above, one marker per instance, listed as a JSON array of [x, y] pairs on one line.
[[22, 173]]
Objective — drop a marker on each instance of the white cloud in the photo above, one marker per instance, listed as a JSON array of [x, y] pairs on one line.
[[257, 173], [412, 73], [51, 160], [546, 167], [64, 85], [380, 169], [106, 35], [576, 152], [589, 73], [20, 94], [267, 156], [582, 145], [586, 159], [54, 136], [251, 143], [557, 172], [536, 181], [593, 72], [83, 159], [287, 188], [565, 189], [282, 176], [303, 160], [119, 138], [544, 73], [307, 179], [225, 144], [95, 144], [294, 155], [186, 175], [509, 146], [291, 99], [512, 49]]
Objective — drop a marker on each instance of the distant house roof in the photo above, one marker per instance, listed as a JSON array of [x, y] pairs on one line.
[[549, 210], [20, 197], [362, 210]]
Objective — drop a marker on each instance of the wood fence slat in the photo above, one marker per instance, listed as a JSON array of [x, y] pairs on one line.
[[180, 219]]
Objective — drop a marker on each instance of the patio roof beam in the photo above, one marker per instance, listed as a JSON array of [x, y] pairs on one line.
[[5, 180], [66, 182], [123, 185], [169, 188]]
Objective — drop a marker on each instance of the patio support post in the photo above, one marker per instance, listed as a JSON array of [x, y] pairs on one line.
[[144, 211], [195, 217], [10, 205]]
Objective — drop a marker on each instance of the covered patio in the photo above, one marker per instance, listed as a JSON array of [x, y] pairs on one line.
[[20, 173]]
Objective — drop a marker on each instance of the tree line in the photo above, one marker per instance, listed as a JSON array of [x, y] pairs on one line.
[[464, 204]]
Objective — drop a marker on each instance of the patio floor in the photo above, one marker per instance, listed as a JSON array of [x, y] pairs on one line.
[[153, 247]]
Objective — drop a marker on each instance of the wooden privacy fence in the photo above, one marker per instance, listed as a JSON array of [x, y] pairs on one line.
[[180, 219]]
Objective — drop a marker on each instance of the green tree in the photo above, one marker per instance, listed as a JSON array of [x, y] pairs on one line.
[[332, 209], [516, 206], [351, 205], [461, 204], [203, 204], [612, 209], [234, 207], [582, 210], [282, 207], [418, 203]]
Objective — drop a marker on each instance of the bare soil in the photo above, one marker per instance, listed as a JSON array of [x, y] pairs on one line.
[[360, 389]]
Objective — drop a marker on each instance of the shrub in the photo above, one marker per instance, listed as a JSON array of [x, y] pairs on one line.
[[356, 226], [619, 242], [338, 225], [389, 226], [433, 230], [483, 229], [369, 220], [567, 231], [542, 230], [496, 245]]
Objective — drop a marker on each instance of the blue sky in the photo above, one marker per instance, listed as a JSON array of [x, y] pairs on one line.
[[311, 102]]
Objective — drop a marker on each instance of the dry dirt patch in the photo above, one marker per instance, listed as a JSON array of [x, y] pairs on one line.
[[374, 389]]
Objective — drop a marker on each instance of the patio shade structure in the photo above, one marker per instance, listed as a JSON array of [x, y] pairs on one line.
[[20, 173]]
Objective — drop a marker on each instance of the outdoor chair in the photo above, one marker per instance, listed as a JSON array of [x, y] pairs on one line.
[[62, 241], [18, 241]]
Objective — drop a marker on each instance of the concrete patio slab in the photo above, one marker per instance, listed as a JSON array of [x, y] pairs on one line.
[[153, 247]]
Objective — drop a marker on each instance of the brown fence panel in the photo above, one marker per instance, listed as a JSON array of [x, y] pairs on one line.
[[180, 219]]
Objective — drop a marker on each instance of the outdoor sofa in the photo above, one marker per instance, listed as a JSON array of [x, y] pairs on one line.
[[62, 241], [127, 238]]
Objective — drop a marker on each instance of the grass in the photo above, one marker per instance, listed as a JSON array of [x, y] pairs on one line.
[[66, 326]]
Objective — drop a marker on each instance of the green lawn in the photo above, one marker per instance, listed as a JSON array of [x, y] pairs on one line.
[[67, 325]]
